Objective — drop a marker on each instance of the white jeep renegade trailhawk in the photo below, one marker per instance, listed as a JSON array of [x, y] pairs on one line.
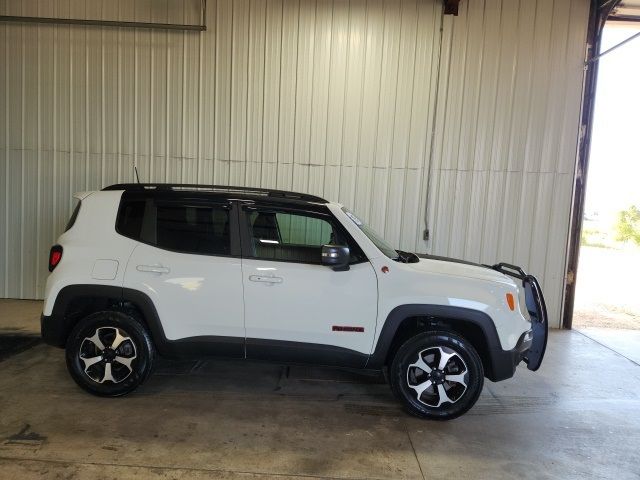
[[192, 271]]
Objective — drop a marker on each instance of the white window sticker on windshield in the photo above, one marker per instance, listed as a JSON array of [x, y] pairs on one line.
[[355, 219]]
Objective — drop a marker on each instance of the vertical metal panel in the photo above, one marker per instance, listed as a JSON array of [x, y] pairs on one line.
[[255, 93], [355, 100], [313, 95], [506, 133]]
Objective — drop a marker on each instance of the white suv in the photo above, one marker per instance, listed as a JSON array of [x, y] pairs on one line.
[[193, 271]]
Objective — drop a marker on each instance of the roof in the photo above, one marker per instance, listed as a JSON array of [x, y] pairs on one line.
[[241, 192]]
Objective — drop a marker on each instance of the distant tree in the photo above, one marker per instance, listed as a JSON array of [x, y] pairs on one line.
[[629, 225]]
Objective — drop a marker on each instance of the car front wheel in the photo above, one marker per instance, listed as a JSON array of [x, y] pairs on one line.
[[109, 353], [437, 375]]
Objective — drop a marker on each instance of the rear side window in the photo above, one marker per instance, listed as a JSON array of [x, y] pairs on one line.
[[193, 229], [198, 229], [73, 218]]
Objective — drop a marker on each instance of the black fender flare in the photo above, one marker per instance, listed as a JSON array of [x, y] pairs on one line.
[[500, 360], [56, 328]]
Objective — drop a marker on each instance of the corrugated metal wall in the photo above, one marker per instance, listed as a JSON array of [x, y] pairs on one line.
[[332, 98], [338, 98], [507, 125]]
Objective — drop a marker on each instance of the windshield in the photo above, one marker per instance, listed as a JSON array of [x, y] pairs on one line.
[[378, 241]]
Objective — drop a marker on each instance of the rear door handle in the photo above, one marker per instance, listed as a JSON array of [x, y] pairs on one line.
[[265, 279], [153, 268]]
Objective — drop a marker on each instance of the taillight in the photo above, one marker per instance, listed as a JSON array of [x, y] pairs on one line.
[[55, 255]]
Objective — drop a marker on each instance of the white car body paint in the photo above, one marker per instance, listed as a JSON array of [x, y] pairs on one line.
[[195, 295], [308, 301], [92, 238], [436, 282], [105, 269], [199, 295]]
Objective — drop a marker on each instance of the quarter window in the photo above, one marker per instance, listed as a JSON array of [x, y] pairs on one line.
[[130, 219]]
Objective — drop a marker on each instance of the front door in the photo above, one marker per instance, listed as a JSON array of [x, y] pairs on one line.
[[190, 267], [297, 309]]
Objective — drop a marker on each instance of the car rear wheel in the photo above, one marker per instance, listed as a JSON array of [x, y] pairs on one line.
[[109, 354], [437, 375]]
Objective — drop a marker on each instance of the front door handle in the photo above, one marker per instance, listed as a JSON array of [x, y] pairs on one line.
[[153, 268], [265, 279]]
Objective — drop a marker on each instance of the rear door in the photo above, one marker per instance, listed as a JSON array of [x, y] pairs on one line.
[[297, 309], [188, 263]]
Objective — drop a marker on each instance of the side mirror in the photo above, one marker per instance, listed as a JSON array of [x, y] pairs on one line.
[[336, 256]]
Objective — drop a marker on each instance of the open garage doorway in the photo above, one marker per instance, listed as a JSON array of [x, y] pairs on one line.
[[607, 304]]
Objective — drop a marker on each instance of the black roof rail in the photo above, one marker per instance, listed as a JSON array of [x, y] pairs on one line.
[[216, 188]]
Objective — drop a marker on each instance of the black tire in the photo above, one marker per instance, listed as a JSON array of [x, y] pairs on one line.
[[135, 349], [407, 380]]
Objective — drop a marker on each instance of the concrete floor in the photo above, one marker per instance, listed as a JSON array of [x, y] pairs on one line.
[[578, 417], [623, 341], [20, 316]]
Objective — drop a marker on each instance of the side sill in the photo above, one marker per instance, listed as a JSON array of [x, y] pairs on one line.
[[304, 353]]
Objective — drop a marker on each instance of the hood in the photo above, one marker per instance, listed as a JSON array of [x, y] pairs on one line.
[[459, 268]]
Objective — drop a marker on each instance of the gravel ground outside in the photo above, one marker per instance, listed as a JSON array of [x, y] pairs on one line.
[[607, 290]]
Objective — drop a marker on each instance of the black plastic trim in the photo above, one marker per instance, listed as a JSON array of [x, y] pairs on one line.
[[74, 216], [304, 353], [502, 366], [537, 308], [185, 347], [450, 260], [56, 328], [203, 346], [226, 190]]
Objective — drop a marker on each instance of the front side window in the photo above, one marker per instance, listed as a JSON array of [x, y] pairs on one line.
[[291, 237], [193, 229]]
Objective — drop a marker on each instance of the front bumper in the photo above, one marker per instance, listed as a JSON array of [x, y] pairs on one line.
[[537, 309], [504, 362]]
